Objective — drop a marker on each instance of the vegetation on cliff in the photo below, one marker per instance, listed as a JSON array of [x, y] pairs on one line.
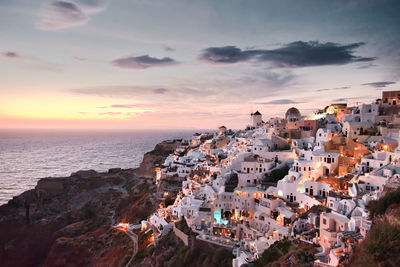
[[381, 247], [379, 207], [287, 253], [171, 252]]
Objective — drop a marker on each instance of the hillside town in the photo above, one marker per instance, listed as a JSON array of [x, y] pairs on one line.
[[304, 178]]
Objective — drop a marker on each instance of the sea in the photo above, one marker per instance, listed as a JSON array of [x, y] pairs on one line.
[[28, 155]]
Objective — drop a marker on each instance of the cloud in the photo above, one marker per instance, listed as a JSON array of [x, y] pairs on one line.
[[31, 62], [279, 102], [168, 48], [333, 89], [9, 54], [142, 62], [109, 113], [119, 91], [379, 84], [78, 58], [293, 55], [159, 91], [356, 99], [271, 79], [84, 112], [64, 14], [91, 6], [226, 55], [340, 100], [367, 66], [125, 106]]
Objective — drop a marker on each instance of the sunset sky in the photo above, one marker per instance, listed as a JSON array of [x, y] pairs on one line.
[[189, 64]]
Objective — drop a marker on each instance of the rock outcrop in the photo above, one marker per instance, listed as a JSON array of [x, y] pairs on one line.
[[156, 157], [67, 221]]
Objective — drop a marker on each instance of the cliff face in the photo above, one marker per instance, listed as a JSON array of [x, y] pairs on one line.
[[156, 157], [67, 221], [381, 247]]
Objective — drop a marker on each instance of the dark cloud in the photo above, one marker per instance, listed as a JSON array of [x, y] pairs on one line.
[[379, 84], [159, 91], [91, 6], [64, 14], [61, 14], [279, 102], [293, 55], [142, 62], [333, 89], [10, 54], [226, 55]]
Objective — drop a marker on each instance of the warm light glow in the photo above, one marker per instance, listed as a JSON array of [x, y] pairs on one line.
[[123, 227], [151, 238]]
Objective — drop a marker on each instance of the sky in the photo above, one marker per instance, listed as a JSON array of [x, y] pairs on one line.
[[157, 64]]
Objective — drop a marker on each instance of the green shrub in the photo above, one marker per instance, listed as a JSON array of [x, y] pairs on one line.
[[278, 174], [273, 253]]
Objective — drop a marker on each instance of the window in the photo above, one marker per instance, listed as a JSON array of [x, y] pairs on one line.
[[324, 221]]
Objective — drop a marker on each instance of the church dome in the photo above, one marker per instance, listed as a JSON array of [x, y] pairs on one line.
[[292, 112]]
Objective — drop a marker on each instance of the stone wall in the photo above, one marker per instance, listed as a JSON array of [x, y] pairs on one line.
[[184, 237]]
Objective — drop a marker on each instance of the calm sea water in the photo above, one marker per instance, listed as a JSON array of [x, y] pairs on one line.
[[26, 156]]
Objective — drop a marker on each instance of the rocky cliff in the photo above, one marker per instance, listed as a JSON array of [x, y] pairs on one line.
[[67, 221], [156, 157], [381, 247]]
